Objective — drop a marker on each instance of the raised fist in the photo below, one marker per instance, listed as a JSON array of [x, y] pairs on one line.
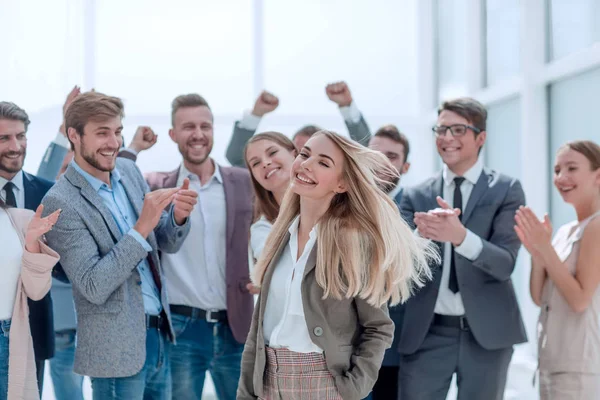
[[265, 103], [339, 93]]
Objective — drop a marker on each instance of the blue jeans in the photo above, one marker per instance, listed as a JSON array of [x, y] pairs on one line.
[[204, 346], [4, 330], [67, 384], [153, 382]]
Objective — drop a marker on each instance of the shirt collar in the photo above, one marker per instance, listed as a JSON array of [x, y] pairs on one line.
[[17, 180], [293, 230], [184, 173], [472, 175], [94, 182]]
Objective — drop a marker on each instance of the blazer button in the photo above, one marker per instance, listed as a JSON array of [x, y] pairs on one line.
[[139, 283], [318, 331]]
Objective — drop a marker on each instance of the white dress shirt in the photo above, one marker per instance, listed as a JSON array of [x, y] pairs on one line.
[[18, 190], [12, 252], [449, 303], [259, 231], [195, 275], [350, 113], [284, 324]]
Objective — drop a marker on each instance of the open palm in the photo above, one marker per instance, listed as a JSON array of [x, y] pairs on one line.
[[39, 226]]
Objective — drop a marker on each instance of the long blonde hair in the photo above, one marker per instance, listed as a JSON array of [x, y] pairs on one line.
[[365, 249]]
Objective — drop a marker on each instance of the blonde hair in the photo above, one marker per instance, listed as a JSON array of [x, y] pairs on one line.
[[365, 249]]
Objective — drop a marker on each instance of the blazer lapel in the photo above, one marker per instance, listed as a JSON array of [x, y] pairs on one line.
[[311, 262], [436, 189], [31, 192], [94, 199], [170, 180], [230, 201], [479, 190]]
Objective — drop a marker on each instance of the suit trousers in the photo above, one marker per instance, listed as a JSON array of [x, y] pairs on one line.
[[427, 373]]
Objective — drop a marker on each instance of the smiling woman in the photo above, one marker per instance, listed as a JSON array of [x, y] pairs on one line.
[[338, 252]]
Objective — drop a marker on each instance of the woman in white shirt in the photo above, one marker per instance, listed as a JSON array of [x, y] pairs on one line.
[[338, 252], [26, 272], [269, 157], [565, 278]]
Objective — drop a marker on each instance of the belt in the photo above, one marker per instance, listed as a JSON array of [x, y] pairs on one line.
[[155, 321], [451, 321], [192, 312]]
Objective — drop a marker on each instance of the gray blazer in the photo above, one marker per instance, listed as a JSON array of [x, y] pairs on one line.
[[353, 335], [101, 264], [235, 149], [487, 291]]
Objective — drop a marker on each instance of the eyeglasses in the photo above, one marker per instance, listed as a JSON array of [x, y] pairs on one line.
[[455, 130]]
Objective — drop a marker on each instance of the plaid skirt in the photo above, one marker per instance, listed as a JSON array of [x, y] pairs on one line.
[[297, 376]]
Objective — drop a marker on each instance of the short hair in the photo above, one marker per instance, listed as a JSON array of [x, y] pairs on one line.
[[468, 108], [13, 112], [187, 100], [307, 131], [391, 132], [91, 107]]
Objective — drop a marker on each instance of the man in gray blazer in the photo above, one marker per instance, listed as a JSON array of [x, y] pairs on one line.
[[466, 319], [109, 236], [266, 102]]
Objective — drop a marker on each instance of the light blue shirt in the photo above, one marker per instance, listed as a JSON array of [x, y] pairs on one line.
[[116, 200]]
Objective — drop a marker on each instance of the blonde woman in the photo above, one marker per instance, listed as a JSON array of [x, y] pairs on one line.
[[337, 254], [26, 272], [565, 277]]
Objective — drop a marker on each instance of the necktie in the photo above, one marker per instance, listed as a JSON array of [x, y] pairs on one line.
[[457, 203], [11, 200]]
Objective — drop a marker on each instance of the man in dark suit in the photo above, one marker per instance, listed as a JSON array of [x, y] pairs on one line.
[[23, 190], [466, 319], [206, 279]]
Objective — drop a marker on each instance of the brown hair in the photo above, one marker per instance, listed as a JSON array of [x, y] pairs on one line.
[[587, 148], [468, 108], [91, 106], [187, 100], [264, 202], [307, 131], [391, 132], [13, 112]]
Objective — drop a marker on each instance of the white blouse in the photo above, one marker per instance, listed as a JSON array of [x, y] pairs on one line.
[[258, 236], [12, 252], [284, 324]]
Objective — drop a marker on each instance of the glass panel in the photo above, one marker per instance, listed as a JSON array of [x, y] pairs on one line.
[[502, 39], [148, 52], [503, 143], [371, 45], [573, 116], [574, 25], [452, 55]]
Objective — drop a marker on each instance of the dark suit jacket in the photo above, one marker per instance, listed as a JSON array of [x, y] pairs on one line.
[[487, 291], [41, 319], [238, 199]]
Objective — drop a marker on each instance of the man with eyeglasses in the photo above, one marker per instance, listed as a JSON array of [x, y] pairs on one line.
[[466, 320]]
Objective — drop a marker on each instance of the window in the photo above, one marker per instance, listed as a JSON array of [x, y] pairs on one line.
[[452, 50], [371, 45], [573, 25], [503, 143], [502, 40]]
